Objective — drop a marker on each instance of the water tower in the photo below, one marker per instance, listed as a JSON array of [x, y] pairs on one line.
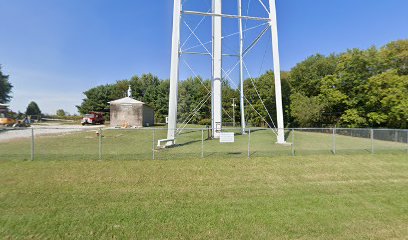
[[217, 16]]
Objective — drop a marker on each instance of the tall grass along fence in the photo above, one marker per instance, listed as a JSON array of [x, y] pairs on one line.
[[45, 143]]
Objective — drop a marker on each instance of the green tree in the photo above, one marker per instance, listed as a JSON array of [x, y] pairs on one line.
[[61, 113], [33, 109], [5, 88], [332, 100], [97, 99], [228, 93], [395, 56], [194, 100], [387, 103], [344, 89], [162, 102], [307, 111], [354, 68], [353, 118], [256, 104], [306, 76]]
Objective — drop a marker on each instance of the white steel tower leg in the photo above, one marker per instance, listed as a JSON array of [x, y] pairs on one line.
[[241, 68], [174, 72], [276, 67], [217, 70]]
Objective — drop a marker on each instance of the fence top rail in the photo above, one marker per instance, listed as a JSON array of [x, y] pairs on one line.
[[191, 129], [364, 129]]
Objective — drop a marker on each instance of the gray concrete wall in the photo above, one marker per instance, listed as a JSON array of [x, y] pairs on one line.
[[135, 115], [132, 114], [148, 116]]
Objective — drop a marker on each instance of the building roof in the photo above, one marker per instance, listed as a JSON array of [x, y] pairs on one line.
[[3, 105], [126, 100]]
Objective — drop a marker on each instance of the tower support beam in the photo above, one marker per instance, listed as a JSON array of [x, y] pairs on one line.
[[241, 68], [174, 72], [217, 70], [276, 68], [225, 15]]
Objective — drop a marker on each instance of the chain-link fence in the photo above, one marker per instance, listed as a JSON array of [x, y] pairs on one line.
[[96, 143]]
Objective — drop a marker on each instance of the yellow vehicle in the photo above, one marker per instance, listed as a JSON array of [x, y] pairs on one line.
[[7, 121], [4, 119]]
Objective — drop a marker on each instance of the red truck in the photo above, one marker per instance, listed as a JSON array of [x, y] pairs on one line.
[[93, 118]]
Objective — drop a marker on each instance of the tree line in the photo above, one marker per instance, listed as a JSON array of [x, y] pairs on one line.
[[356, 88]]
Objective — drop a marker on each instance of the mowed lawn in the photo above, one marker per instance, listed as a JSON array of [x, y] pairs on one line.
[[359, 196], [141, 144]]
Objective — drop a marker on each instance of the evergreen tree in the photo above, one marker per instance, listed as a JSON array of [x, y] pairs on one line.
[[5, 88]]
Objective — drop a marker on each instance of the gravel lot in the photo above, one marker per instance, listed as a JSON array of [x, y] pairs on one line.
[[41, 130]]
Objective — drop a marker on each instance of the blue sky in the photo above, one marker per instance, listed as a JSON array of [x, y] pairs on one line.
[[54, 50]]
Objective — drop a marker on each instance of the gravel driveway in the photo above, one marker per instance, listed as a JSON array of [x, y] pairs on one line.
[[41, 130]]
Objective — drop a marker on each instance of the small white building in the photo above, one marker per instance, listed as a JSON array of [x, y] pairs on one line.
[[129, 112]]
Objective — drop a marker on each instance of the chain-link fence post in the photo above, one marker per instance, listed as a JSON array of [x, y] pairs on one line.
[[249, 143], [293, 142], [202, 143], [334, 141], [154, 133], [32, 144], [100, 144], [407, 139], [372, 140]]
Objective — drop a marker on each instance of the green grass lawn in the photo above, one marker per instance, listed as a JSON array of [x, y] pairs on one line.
[[359, 196], [139, 144]]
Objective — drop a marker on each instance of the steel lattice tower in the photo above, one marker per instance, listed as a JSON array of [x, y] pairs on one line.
[[217, 54]]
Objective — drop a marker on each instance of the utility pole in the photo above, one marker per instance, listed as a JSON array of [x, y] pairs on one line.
[[233, 111]]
